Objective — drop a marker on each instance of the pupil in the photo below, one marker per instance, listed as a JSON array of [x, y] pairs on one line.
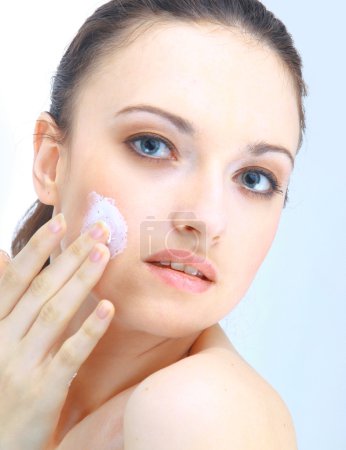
[[251, 179], [151, 147]]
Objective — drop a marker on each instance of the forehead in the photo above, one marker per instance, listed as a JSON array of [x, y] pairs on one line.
[[218, 78]]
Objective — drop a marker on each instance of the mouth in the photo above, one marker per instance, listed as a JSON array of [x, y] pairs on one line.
[[184, 261], [179, 279], [179, 267]]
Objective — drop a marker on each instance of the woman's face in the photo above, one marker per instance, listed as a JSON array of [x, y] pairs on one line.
[[220, 180]]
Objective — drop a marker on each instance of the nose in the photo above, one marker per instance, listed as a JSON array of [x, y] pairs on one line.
[[201, 211]]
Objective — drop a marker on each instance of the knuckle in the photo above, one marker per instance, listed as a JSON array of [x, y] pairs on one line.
[[11, 277], [39, 285], [50, 314], [83, 277], [35, 242], [68, 355], [76, 249], [89, 331]]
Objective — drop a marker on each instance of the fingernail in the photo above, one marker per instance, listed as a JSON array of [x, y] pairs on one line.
[[95, 255], [98, 230], [103, 310], [56, 224]]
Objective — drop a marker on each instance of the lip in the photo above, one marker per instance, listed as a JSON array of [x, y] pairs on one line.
[[188, 258], [180, 280]]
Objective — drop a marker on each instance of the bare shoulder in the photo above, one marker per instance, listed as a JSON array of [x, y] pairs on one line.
[[212, 399]]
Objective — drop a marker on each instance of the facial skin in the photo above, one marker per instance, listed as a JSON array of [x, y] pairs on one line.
[[237, 93]]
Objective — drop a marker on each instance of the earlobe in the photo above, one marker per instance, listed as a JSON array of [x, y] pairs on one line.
[[46, 158]]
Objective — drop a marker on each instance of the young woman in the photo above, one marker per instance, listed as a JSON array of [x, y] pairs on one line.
[[177, 123]]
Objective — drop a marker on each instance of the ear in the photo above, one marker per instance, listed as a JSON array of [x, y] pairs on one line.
[[46, 157]]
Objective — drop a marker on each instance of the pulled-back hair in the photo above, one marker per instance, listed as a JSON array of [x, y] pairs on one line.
[[111, 27]]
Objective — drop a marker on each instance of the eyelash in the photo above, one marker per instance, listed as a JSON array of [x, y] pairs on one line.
[[140, 137], [276, 188]]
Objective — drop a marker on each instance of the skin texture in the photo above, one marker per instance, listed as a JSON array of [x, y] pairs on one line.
[[236, 92]]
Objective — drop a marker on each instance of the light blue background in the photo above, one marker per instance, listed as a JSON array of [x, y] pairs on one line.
[[291, 325]]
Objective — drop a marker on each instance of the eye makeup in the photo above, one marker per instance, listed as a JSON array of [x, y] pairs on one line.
[[130, 143], [256, 173], [154, 156]]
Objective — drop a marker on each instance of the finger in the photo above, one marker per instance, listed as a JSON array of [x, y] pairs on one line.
[[57, 313], [52, 279], [24, 267], [78, 347], [4, 260]]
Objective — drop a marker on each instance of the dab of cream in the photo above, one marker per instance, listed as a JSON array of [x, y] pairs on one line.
[[104, 208]]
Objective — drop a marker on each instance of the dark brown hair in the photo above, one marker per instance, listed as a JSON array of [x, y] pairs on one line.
[[111, 27]]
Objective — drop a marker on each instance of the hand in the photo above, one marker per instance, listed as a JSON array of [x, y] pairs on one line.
[[4, 260], [35, 308]]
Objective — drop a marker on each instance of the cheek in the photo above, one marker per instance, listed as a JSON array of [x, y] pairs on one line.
[[251, 240], [105, 208], [263, 242], [260, 239]]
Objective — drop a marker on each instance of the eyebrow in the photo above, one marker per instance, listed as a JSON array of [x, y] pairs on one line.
[[180, 123], [187, 127], [263, 147]]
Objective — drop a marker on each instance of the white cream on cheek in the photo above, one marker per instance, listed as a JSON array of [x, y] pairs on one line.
[[104, 208]]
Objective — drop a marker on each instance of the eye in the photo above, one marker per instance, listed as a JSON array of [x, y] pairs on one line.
[[150, 146], [256, 181], [259, 182]]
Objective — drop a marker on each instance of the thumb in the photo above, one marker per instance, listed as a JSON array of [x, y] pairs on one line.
[[4, 260]]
